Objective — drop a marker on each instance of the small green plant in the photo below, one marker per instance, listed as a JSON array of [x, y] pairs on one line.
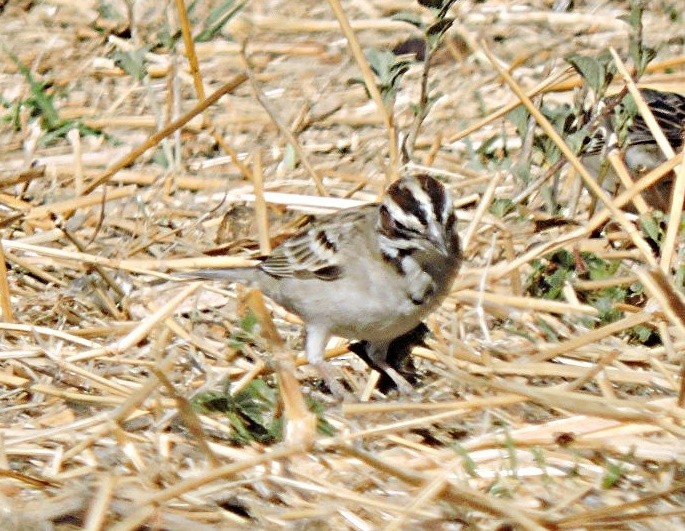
[[640, 54], [468, 464], [597, 72], [510, 445], [254, 413], [214, 22], [433, 34], [500, 489], [584, 125], [246, 333], [502, 206], [41, 104], [654, 224], [561, 118], [612, 475], [539, 457], [388, 69], [552, 272]]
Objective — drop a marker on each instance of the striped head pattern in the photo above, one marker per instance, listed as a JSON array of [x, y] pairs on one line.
[[417, 214]]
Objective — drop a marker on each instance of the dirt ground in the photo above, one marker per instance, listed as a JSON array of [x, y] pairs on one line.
[[549, 393]]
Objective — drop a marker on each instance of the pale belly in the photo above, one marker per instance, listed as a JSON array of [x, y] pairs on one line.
[[371, 312]]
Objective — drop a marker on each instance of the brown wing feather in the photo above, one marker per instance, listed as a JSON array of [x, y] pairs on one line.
[[313, 252], [669, 111]]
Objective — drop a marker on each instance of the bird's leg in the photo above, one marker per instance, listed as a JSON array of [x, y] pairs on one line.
[[378, 353], [403, 386], [315, 346]]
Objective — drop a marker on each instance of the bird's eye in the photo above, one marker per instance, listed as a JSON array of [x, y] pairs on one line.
[[394, 228]]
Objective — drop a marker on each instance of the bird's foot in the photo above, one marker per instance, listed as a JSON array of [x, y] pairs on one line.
[[403, 386], [337, 390]]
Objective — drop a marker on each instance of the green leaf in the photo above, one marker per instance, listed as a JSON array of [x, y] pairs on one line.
[[550, 333], [600, 269], [217, 19], [634, 16], [519, 117], [637, 287], [59, 131], [410, 18], [501, 207], [43, 102], [605, 301], [389, 70], [248, 323], [246, 333], [564, 258], [613, 474], [640, 54], [436, 32], [550, 150], [652, 227], [523, 173], [556, 283], [642, 58], [576, 141], [468, 464], [381, 62], [62, 128], [133, 62], [322, 425], [254, 412], [641, 333], [590, 69]]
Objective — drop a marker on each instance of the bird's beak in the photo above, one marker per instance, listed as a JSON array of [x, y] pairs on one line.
[[437, 237]]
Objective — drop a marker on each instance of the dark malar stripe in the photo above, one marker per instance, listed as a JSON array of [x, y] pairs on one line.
[[419, 299], [395, 261]]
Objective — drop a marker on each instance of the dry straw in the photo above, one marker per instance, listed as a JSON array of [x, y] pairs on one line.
[[529, 412]]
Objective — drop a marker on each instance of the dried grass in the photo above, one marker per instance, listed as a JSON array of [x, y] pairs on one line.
[[101, 355]]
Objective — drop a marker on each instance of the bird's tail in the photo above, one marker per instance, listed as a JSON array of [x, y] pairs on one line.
[[243, 275]]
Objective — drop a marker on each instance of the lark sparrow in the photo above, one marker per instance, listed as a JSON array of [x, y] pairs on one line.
[[640, 151], [370, 273]]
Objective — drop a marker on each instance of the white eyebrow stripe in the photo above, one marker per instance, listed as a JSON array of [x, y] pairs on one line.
[[403, 217]]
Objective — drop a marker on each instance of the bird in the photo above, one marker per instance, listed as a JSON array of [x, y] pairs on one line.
[[370, 273], [640, 150]]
